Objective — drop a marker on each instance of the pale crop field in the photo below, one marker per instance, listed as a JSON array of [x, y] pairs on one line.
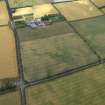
[[23, 11], [37, 11], [4, 18], [78, 10], [99, 3], [8, 63], [44, 9]]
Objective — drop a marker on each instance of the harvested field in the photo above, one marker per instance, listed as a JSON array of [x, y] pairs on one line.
[[23, 11], [99, 3], [38, 11], [53, 55], [93, 30], [83, 88], [78, 10], [11, 98], [4, 18], [8, 64], [42, 10]]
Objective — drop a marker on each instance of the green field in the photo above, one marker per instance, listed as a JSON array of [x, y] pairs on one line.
[[93, 30], [83, 88], [22, 3], [51, 50], [11, 98], [27, 34]]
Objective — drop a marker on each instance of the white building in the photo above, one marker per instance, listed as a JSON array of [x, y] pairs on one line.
[[57, 1]]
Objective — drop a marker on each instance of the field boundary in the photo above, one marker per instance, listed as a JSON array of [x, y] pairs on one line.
[[4, 25], [89, 18], [65, 73], [97, 6], [8, 91], [39, 4], [85, 41], [75, 70], [22, 84]]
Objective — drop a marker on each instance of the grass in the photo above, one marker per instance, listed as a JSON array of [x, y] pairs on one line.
[[4, 18], [83, 88], [12, 98], [8, 64], [94, 32], [55, 29], [78, 10], [52, 55]]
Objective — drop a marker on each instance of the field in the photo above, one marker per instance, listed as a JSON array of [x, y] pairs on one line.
[[83, 88], [103, 9], [94, 32], [38, 11], [62, 59], [24, 3], [42, 10], [48, 51], [8, 64], [23, 11], [99, 3], [77, 10], [3, 14], [27, 34], [11, 98]]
